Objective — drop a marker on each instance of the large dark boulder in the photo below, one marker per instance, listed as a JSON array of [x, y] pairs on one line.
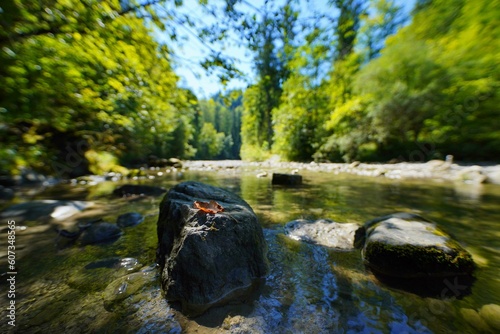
[[413, 253], [208, 259]]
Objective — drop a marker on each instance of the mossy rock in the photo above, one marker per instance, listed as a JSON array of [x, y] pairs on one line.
[[475, 320], [491, 314], [409, 246]]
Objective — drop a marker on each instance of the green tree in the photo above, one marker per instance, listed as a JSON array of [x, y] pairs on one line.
[[71, 94], [297, 121], [347, 25], [271, 64], [382, 19], [211, 142], [346, 123], [223, 111], [435, 84]]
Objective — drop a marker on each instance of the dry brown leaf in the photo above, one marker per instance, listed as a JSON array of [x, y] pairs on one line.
[[208, 207]]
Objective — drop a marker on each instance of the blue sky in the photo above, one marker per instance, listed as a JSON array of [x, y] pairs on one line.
[[192, 76]]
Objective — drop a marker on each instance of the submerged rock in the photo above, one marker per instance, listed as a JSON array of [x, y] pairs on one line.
[[323, 232], [475, 320], [491, 314], [208, 258], [287, 179], [407, 245], [132, 189], [44, 210], [129, 219], [125, 287], [99, 233], [6, 194]]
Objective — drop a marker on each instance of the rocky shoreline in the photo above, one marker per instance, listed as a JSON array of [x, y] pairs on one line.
[[434, 169], [439, 170]]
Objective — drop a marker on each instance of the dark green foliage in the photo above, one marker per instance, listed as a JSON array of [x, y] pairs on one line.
[[218, 134], [83, 93], [72, 86], [347, 25], [432, 91]]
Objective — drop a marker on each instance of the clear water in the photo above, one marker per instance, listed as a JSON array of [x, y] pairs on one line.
[[310, 289]]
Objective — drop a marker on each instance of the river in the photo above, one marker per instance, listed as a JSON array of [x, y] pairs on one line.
[[310, 288]]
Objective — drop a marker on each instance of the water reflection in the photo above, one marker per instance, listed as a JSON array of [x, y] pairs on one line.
[[469, 193], [309, 289]]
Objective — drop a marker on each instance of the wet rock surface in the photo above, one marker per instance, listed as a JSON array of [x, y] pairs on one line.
[[286, 179], [323, 232], [409, 246], [208, 259]]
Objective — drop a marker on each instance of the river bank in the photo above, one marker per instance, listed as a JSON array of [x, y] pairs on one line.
[[434, 169]]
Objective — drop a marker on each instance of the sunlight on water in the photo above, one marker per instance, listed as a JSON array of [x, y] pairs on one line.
[[310, 288]]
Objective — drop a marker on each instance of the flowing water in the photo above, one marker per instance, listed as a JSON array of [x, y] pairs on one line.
[[310, 288]]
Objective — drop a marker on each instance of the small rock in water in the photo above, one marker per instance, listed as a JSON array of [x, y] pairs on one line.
[[286, 179], [129, 219], [491, 314], [407, 245], [474, 319], [44, 210], [323, 232], [409, 252], [100, 232]]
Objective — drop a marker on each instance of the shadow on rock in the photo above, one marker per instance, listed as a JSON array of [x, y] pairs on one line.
[[243, 305], [452, 287]]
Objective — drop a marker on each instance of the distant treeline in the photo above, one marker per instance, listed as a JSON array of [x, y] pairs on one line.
[[84, 86]]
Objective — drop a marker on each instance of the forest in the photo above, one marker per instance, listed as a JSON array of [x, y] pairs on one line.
[[86, 86]]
